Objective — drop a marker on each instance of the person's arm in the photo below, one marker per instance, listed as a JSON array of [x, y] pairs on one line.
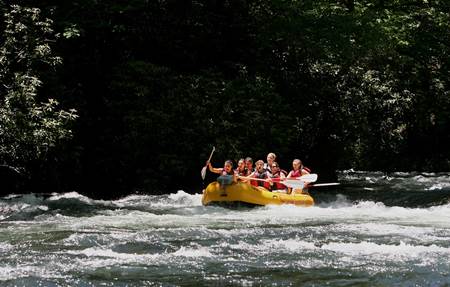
[[215, 170], [289, 174], [248, 176], [252, 174], [242, 178], [304, 171]]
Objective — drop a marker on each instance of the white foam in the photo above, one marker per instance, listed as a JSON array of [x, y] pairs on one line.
[[80, 197], [420, 178], [20, 207], [9, 272], [269, 246], [193, 252], [97, 257], [186, 198], [135, 200], [439, 186], [4, 247], [12, 196], [173, 200], [402, 249], [363, 212], [109, 239], [70, 195], [339, 212], [100, 257], [399, 180], [417, 234], [290, 245], [43, 207], [101, 252], [246, 248]]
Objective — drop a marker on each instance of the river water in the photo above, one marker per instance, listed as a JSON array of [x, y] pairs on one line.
[[373, 230]]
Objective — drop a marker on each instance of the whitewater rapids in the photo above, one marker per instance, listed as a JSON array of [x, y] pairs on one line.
[[172, 240]]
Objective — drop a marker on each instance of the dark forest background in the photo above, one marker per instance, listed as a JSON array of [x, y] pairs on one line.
[[113, 97]]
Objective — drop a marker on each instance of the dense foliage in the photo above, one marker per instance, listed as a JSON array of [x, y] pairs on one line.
[[29, 128], [345, 84]]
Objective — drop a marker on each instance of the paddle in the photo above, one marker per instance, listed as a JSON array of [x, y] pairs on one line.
[[203, 172], [298, 182], [292, 183], [324, 184], [253, 178], [310, 177]]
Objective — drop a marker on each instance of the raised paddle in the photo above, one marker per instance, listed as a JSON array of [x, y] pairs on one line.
[[203, 172]]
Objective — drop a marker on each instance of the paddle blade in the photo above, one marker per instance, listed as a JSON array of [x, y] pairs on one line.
[[203, 172], [294, 183], [312, 177]]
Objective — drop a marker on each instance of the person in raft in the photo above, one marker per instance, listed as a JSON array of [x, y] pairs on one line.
[[226, 172], [275, 177], [260, 173], [249, 165], [241, 170], [271, 158], [297, 171]]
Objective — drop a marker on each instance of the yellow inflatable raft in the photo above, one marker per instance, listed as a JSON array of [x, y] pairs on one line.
[[242, 193]]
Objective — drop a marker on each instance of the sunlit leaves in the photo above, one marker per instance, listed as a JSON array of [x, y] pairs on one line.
[[71, 31], [28, 128]]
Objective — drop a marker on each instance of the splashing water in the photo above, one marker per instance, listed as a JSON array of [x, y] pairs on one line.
[[375, 230]]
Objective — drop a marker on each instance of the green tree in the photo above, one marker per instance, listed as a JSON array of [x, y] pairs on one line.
[[29, 126]]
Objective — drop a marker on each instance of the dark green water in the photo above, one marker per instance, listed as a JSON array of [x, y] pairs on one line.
[[375, 230]]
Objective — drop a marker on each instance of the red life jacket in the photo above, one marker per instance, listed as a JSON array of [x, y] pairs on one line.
[[262, 175], [241, 173], [276, 183], [298, 173]]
